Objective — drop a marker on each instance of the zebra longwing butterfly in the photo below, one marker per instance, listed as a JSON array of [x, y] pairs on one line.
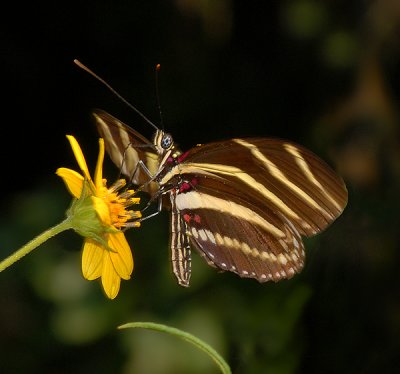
[[243, 204]]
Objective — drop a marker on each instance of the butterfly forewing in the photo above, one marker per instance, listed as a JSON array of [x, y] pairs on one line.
[[126, 148], [277, 175]]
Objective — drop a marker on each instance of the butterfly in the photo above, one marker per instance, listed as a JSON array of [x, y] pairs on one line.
[[243, 204]]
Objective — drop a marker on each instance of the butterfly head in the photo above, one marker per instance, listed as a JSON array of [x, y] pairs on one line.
[[163, 142]]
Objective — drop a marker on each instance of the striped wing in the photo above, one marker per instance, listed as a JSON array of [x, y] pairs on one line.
[[246, 203], [126, 148], [233, 233], [277, 175]]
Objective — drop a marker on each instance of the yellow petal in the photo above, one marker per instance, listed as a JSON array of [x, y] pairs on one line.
[[98, 174], [73, 181], [102, 210], [80, 158], [122, 258], [109, 277], [92, 259]]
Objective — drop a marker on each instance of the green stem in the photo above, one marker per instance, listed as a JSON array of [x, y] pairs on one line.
[[30, 246], [224, 367]]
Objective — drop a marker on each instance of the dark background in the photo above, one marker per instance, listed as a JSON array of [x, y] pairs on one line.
[[324, 74]]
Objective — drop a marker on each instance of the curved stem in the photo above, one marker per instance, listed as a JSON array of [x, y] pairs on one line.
[[30, 246], [223, 366]]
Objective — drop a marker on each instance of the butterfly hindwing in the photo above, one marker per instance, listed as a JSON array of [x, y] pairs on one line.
[[233, 234]]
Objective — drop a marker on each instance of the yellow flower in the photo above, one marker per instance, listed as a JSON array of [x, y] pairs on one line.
[[99, 214]]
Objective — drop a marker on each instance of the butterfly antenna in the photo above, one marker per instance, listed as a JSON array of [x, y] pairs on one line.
[[158, 68], [101, 80]]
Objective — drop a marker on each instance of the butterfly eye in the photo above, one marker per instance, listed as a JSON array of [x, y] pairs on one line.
[[166, 141]]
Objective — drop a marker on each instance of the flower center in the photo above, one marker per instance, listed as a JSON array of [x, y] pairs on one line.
[[119, 203]]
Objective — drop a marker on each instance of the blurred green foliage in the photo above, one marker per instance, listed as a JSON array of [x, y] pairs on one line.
[[325, 74]]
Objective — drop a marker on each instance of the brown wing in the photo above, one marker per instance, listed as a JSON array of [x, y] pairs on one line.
[[246, 202], [233, 233], [280, 176]]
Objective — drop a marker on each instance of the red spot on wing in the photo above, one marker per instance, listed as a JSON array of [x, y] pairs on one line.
[[185, 187], [197, 218], [187, 217]]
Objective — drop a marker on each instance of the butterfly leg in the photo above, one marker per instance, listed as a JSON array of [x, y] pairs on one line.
[[159, 208], [159, 196], [141, 165]]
